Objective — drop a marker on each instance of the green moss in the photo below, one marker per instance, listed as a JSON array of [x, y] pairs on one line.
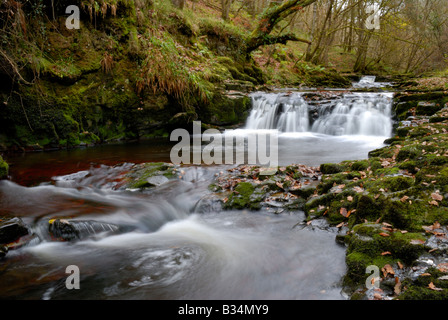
[[410, 166], [4, 168], [360, 165], [330, 168], [403, 131], [244, 197], [137, 177], [398, 183]]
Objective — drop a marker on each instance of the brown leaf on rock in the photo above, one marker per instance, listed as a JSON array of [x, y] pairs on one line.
[[437, 197], [385, 253], [434, 203], [383, 234], [443, 267], [343, 212], [404, 198], [387, 269], [377, 296], [433, 287]]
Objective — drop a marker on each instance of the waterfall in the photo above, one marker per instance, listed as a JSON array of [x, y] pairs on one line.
[[344, 114], [285, 112]]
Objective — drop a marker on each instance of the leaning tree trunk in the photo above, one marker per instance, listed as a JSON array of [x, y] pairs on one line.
[[269, 19]]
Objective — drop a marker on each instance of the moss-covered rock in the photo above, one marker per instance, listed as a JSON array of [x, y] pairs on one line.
[[244, 196], [139, 177]]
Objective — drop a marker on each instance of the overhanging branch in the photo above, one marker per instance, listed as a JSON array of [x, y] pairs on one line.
[[268, 39]]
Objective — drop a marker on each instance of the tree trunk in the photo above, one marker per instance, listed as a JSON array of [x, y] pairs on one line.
[[269, 19], [225, 9], [178, 4]]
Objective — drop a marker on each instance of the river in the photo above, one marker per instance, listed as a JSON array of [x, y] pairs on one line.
[[175, 249]]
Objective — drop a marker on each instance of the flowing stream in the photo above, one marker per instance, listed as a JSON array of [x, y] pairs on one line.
[[171, 247]]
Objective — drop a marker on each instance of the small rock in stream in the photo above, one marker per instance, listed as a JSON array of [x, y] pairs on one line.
[[65, 230], [11, 230]]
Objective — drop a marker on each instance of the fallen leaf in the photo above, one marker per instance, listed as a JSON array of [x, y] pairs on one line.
[[383, 234], [343, 212], [417, 241], [387, 269], [425, 274], [377, 296], [404, 198], [385, 253], [400, 265], [437, 196], [434, 203], [433, 287], [340, 225], [443, 267], [350, 198]]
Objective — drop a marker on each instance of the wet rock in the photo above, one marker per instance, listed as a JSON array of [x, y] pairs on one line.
[[70, 230], [148, 175], [3, 251], [11, 230], [157, 180]]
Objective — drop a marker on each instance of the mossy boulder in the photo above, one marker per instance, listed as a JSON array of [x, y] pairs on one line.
[[149, 175], [330, 168], [379, 244], [244, 196]]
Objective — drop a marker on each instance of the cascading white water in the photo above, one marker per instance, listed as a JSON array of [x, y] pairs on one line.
[[349, 114], [288, 113]]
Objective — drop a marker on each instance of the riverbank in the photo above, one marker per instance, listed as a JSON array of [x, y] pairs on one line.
[[390, 209]]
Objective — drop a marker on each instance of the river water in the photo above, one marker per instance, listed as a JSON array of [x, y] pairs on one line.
[[174, 248]]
